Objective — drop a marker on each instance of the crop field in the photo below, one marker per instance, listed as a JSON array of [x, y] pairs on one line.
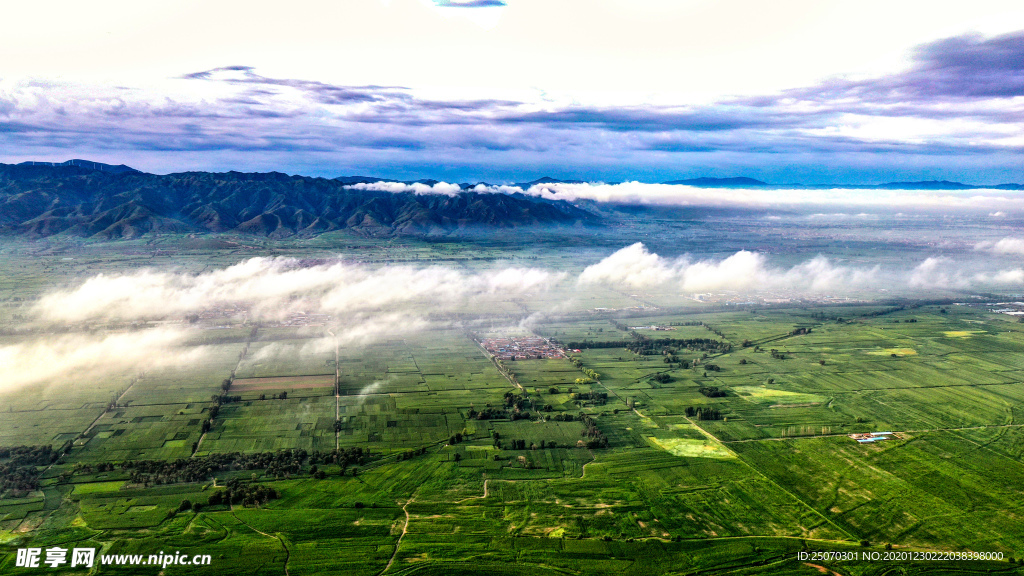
[[725, 449]]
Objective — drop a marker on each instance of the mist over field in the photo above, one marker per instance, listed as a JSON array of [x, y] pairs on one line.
[[363, 303]]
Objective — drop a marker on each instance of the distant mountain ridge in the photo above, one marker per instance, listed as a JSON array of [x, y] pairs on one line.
[[86, 164], [86, 199], [705, 182]]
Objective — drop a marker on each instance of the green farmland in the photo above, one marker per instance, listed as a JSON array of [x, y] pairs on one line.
[[729, 450]]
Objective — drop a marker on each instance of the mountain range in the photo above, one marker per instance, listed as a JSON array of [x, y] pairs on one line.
[[89, 199]]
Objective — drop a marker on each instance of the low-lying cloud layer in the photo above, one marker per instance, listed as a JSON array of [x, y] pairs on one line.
[[275, 288], [53, 359], [865, 199], [366, 304], [992, 201], [416, 187], [1003, 246], [749, 272]]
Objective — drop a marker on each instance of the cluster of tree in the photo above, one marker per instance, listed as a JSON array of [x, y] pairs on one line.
[[515, 402], [662, 378], [244, 494], [488, 414], [713, 367], [711, 391], [595, 438], [777, 355], [563, 417], [456, 438], [590, 373], [19, 471], [343, 457], [595, 397], [800, 331], [82, 468], [410, 454], [703, 413], [582, 381]]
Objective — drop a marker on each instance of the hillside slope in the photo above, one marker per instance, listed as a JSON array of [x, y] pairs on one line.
[[43, 200]]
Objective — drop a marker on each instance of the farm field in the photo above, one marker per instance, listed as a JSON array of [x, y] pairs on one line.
[[691, 440]]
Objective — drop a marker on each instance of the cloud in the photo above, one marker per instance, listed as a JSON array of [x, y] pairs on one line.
[[364, 305], [470, 3], [274, 288], [955, 110], [634, 266], [750, 272], [970, 66], [884, 200], [1003, 246], [52, 358], [416, 187]]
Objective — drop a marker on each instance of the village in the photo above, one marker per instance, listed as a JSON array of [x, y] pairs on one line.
[[522, 348]]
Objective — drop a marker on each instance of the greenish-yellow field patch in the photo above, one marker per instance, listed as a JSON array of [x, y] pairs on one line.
[[692, 448], [95, 487], [962, 333], [896, 351], [762, 395]]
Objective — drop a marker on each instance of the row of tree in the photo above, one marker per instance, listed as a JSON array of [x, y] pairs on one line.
[[276, 464], [646, 346]]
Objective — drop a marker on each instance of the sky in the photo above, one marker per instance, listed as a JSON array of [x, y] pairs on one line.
[[510, 90]]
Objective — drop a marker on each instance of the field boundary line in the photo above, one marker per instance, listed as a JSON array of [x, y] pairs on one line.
[[405, 529], [776, 484], [287, 552]]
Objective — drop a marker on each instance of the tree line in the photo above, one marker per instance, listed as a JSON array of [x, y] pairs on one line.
[[645, 346], [276, 464]]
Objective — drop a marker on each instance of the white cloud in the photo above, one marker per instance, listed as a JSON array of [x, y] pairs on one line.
[[274, 288], [634, 266], [1003, 246], [744, 271], [48, 359], [762, 198], [416, 187]]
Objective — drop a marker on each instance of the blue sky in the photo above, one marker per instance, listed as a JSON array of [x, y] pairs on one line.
[[468, 90]]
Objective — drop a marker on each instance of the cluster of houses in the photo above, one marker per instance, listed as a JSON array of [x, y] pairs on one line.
[[525, 348], [872, 437]]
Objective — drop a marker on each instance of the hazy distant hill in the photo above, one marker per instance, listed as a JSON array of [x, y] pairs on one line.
[[705, 182], [79, 198], [88, 165]]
